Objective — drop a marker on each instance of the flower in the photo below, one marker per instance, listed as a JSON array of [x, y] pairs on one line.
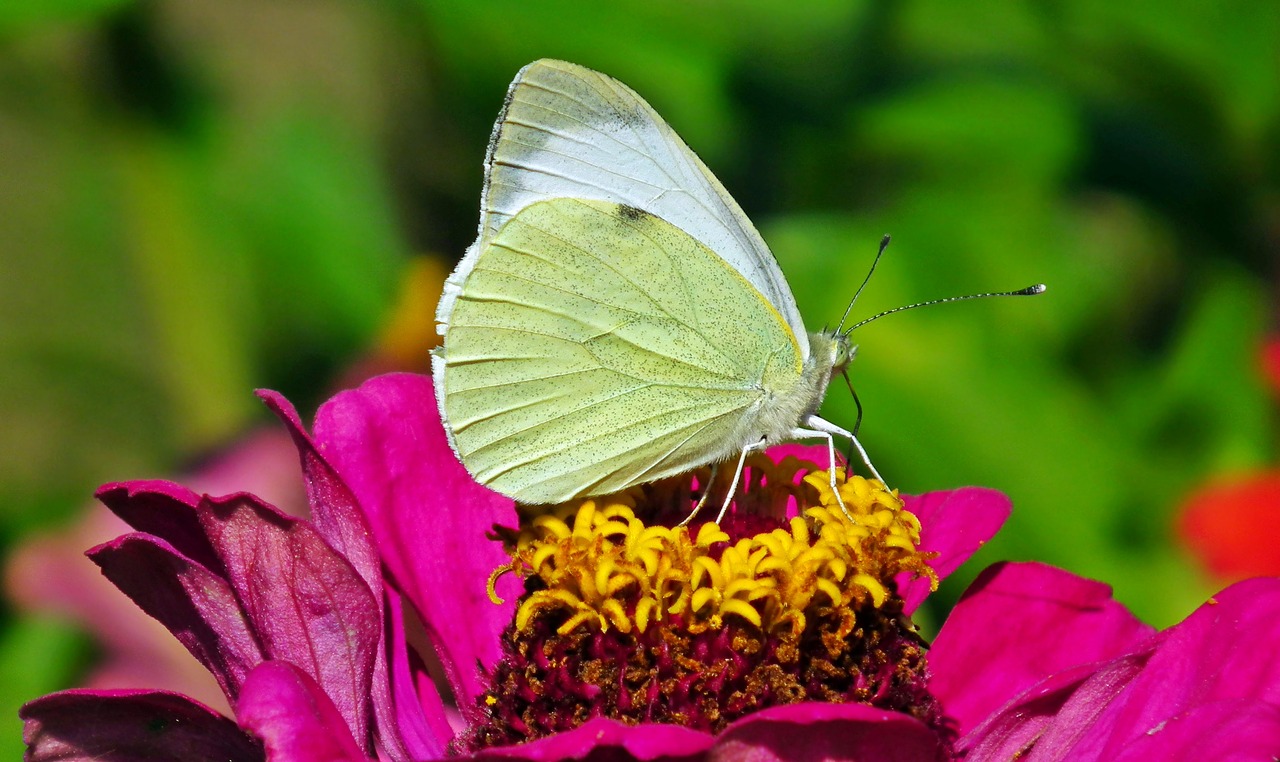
[[48, 573], [288, 615], [308, 640], [1071, 674], [404, 474], [293, 618]]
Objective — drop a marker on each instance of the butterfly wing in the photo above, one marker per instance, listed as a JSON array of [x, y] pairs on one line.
[[568, 131], [594, 347]]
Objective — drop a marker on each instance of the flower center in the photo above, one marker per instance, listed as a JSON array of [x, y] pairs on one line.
[[789, 599]]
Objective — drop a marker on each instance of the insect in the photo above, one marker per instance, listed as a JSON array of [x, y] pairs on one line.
[[618, 319]]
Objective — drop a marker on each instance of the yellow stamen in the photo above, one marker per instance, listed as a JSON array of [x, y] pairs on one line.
[[600, 566]]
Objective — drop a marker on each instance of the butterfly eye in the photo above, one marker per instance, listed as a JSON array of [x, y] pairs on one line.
[[843, 352]]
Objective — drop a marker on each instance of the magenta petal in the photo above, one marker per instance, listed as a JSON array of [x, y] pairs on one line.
[[953, 524], [195, 604], [428, 516], [1234, 729], [420, 714], [1074, 732], [126, 726], [334, 511], [1054, 715], [1224, 651], [292, 715], [603, 739], [337, 516], [1016, 625], [1009, 733], [306, 603], [828, 732], [166, 510]]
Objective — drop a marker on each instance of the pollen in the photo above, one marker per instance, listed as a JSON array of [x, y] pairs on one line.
[[792, 598]]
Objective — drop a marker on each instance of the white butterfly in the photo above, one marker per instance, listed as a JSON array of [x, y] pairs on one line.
[[618, 319]]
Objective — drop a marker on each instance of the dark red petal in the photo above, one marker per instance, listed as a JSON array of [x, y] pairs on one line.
[[339, 520], [126, 726], [428, 516], [294, 718], [1269, 359], [1018, 624], [306, 603], [196, 605], [953, 524], [334, 510], [166, 510]]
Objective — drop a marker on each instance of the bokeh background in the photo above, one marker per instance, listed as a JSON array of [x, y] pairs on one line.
[[201, 197]]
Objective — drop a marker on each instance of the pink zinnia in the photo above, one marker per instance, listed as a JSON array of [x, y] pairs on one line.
[[307, 638]]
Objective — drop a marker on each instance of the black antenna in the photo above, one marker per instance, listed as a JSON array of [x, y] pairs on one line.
[[857, 423], [884, 244], [1038, 288]]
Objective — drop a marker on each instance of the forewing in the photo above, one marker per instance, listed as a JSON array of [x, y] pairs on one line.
[[595, 346], [568, 131]]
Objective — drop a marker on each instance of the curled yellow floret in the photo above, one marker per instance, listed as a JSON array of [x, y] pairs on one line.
[[600, 566]]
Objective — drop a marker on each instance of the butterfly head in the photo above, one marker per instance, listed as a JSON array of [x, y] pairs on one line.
[[842, 352], [832, 350]]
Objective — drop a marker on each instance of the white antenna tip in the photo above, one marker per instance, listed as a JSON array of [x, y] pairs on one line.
[[1038, 288]]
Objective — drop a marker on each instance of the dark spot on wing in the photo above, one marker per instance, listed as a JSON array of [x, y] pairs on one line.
[[629, 118], [629, 213]]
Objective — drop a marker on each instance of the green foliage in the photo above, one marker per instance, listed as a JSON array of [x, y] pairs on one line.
[[32, 16], [38, 655]]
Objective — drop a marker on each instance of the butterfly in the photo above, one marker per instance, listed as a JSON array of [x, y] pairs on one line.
[[618, 318]]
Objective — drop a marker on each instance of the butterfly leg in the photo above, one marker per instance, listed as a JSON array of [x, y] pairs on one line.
[[706, 493], [828, 428], [737, 476], [831, 456]]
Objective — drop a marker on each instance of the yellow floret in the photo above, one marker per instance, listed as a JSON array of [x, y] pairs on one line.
[[601, 566]]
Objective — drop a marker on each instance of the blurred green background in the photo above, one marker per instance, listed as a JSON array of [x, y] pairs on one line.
[[200, 197]]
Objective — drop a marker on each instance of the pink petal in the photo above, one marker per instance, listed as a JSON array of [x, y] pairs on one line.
[[126, 726], [1236, 729], [608, 739], [420, 714], [1224, 651], [1207, 688], [828, 732], [1016, 625], [334, 510], [337, 516], [953, 524], [307, 604], [1054, 715], [294, 717], [1012, 731], [196, 605], [429, 517]]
